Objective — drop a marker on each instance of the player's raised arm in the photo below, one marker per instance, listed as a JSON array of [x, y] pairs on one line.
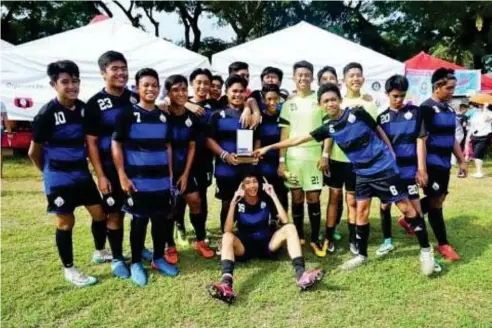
[[291, 142]]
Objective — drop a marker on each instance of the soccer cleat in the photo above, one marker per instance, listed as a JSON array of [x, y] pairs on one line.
[[354, 262], [180, 238], [309, 279], [384, 249], [102, 256], [329, 246], [337, 236], [171, 255], [353, 249], [427, 262], [405, 225], [147, 255], [119, 269], [165, 268], [76, 277], [222, 291], [204, 250], [138, 273], [448, 253], [477, 175], [318, 250]]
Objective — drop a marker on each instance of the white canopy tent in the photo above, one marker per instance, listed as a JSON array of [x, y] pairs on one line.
[[4, 45], [307, 42], [25, 86]]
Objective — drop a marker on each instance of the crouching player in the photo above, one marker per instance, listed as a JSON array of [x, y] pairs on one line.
[[251, 213], [369, 150], [143, 158]]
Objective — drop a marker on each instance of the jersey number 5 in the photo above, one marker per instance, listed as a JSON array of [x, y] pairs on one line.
[[105, 103]]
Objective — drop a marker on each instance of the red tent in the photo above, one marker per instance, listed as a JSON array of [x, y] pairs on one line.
[[98, 18], [425, 61]]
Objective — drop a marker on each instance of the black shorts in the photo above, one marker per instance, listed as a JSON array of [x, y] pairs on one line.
[[341, 174], [256, 249], [147, 204], [203, 179], [113, 202], [438, 182], [389, 190], [412, 188], [226, 187], [480, 146], [191, 186], [64, 200]]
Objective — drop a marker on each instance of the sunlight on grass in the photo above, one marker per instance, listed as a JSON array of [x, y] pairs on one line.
[[388, 292]]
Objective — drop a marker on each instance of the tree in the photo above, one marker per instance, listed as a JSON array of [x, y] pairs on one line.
[[189, 13], [24, 21], [210, 46]]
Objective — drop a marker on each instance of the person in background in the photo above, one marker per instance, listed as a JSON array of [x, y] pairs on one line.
[[215, 87], [480, 129], [5, 127], [269, 76]]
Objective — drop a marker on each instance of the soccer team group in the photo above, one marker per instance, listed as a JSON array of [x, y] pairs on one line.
[[152, 160]]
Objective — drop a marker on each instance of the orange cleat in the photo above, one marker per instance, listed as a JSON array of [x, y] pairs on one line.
[[171, 255], [448, 252], [204, 250]]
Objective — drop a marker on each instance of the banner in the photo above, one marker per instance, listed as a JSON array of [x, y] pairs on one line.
[[420, 86]]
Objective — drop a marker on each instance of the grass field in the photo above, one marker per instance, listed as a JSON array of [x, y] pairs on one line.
[[388, 292]]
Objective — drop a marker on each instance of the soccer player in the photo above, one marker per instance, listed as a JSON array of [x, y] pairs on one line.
[[201, 81], [58, 151], [440, 122], [342, 177], [216, 87], [267, 134], [143, 158], [100, 119], [369, 150], [269, 76], [251, 114], [184, 127], [327, 74], [405, 129], [301, 114], [222, 141], [353, 77], [250, 212]]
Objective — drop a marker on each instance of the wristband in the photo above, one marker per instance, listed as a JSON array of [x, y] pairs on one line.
[[281, 160], [223, 155], [325, 155]]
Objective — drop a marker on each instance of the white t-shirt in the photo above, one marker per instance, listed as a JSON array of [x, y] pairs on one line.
[[481, 123]]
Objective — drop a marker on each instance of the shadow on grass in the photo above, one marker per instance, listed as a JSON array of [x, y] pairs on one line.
[[469, 238], [7, 193]]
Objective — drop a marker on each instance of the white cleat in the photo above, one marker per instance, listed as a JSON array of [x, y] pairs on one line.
[[354, 262], [102, 256], [384, 249], [76, 277], [428, 264]]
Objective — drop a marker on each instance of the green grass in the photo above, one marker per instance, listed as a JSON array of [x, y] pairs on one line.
[[387, 292]]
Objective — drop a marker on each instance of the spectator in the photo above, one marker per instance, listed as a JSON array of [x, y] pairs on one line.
[[480, 129]]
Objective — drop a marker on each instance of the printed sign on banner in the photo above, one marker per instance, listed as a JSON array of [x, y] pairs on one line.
[[420, 86]]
